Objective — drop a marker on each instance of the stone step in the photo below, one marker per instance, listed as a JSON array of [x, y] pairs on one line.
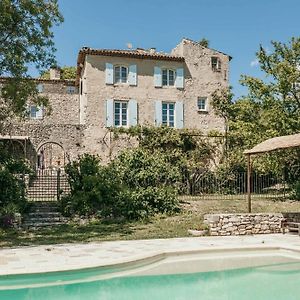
[[44, 204], [44, 214], [44, 219], [39, 225]]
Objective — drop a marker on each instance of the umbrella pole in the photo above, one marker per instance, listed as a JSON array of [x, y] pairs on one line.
[[249, 182]]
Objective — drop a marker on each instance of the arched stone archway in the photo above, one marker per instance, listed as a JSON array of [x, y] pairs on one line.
[[51, 155]]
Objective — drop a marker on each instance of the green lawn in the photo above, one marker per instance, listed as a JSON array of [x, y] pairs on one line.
[[191, 217]]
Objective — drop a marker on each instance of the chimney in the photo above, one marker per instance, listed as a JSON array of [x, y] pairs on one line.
[[152, 50], [55, 73]]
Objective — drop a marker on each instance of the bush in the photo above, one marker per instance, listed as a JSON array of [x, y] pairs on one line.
[[296, 191], [93, 188], [12, 186], [142, 202], [135, 185]]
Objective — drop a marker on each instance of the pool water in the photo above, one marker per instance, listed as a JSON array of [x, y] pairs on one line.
[[272, 282]]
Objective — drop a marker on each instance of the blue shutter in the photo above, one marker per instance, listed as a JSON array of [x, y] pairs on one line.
[[157, 77], [158, 113], [109, 108], [179, 81], [109, 73], [132, 75], [133, 113], [179, 114]]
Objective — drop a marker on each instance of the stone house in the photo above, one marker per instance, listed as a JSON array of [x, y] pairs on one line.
[[124, 88]]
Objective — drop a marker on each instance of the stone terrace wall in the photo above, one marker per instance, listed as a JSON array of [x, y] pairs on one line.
[[244, 224]]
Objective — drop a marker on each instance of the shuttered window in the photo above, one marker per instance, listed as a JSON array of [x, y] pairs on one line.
[[168, 77], [168, 114], [120, 113], [121, 74]]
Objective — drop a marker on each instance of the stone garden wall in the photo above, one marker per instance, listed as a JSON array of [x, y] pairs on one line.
[[245, 224]]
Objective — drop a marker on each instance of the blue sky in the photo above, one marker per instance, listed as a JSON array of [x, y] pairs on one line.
[[236, 27]]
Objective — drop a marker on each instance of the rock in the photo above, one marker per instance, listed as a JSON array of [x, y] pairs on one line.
[[197, 232]]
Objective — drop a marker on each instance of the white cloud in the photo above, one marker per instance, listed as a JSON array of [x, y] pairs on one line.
[[254, 63]]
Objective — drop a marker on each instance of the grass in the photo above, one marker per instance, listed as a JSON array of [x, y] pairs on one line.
[[191, 217]]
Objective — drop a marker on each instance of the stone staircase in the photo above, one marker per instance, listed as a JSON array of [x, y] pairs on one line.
[[43, 214], [47, 187]]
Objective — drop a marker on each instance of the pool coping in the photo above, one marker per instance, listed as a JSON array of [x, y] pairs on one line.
[[68, 257]]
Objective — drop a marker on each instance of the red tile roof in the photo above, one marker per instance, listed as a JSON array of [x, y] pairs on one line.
[[140, 54]]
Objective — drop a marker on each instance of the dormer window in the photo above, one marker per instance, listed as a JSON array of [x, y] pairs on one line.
[[168, 77], [216, 64], [121, 74]]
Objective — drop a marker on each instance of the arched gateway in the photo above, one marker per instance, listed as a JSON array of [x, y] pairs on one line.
[[50, 156]]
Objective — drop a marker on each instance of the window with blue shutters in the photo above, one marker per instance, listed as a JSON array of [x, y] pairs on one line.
[[120, 113], [168, 77], [121, 74], [168, 114]]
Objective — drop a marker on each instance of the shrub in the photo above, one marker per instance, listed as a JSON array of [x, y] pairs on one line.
[[12, 196], [93, 187], [296, 191], [135, 185]]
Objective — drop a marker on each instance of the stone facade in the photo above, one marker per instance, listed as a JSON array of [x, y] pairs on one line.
[[244, 224], [78, 121], [200, 80], [57, 132]]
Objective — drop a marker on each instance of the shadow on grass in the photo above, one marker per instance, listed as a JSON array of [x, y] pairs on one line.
[[100, 231]]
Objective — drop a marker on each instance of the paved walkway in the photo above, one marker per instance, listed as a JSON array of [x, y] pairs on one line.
[[76, 256]]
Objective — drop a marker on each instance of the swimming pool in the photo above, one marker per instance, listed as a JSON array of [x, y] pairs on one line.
[[248, 274]]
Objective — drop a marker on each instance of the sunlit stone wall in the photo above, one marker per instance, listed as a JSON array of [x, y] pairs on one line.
[[244, 224]]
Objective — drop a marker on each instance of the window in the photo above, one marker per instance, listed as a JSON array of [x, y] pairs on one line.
[[40, 88], [168, 113], [121, 74], [168, 77], [216, 64], [71, 89], [35, 112], [202, 104], [120, 113]]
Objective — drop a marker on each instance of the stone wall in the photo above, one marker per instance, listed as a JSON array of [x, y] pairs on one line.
[[59, 129], [244, 224], [200, 81]]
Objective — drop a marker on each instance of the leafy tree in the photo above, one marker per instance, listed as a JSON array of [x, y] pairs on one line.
[[204, 42], [187, 150], [26, 39], [222, 103], [66, 73], [270, 109], [279, 94]]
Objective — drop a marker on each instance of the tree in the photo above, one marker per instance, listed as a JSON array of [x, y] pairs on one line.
[[186, 150], [26, 39], [271, 108], [222, 103], [279, 95], [67, 72], [204, 42]]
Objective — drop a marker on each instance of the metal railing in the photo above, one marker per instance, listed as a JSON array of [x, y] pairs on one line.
[[47, 185], [233, 186]]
